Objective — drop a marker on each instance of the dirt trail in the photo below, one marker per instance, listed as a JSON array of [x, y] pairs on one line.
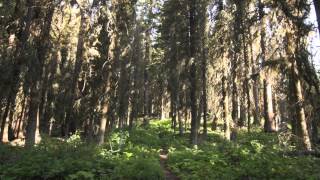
[[167, 173]]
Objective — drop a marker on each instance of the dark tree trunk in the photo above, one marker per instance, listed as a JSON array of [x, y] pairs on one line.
[[247, 73], [180, 113], [235, 65], [193, 74], [123, 91], [32, 131], [146, 79], [255, 86], [204, 85], [69, 123], [22, 37], [20, 118], [225, 103]]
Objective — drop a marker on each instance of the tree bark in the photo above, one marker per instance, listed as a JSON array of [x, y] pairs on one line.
[[193, 74], [103, 124], [4, 134], [20, 118], [32, 131], [225, 100], [298, 97], [70, 121], [267, 97], [268, 107], [204, 84]]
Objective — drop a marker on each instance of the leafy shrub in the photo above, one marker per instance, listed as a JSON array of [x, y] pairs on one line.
[[252, 156], [139, 169], [135, 155]]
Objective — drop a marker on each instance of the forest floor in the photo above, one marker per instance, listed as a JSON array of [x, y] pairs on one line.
[[156, 152], [163, 163]]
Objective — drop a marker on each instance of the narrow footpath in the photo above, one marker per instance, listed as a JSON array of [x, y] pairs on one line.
[[163, 163]]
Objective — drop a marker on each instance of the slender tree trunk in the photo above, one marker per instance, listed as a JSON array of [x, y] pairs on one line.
[[179, 113], [4, 134], [134, 98], [193, 74], [242, 118], [256, 102], [298, 97], [255, 86], [174, 112], [103, 124], [162, 106], [134, 102], [268, 107], [248, 106], [236, 64], [20, 118], [247, 73], [146, 96], [48, 94], [147, 92], [225, 100], [204, 87], [44, 123]]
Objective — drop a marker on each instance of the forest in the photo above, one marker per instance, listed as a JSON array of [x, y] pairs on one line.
[[159, 89]]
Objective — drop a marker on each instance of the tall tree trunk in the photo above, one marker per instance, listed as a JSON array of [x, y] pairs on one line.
[[32, 131], [48, 94], [147, 92], [111, 54], [18, 57], [193, 74], [134, 99], [247, 73], [267, 97], [235, 64], [204, 83], [123, 91], [70, 121], [255, 86], [298, 97]]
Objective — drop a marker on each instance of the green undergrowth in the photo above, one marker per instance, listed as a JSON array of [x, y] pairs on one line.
[[135, 155], [252, 156], [125, 155]]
